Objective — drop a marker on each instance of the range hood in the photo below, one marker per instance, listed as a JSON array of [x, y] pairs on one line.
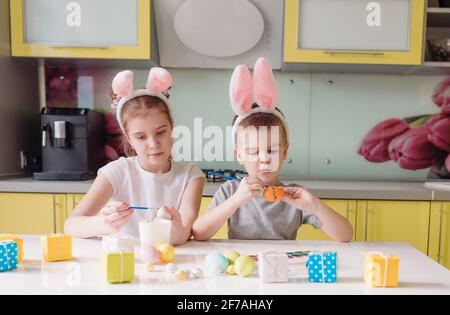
[[219, 34]]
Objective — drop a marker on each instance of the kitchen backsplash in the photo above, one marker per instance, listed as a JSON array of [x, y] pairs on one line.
[[328, 114]]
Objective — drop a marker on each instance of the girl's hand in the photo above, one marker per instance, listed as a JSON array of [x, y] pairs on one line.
[[248, 189], [301, 198], [170, 213], [177, 223], [115, 216]]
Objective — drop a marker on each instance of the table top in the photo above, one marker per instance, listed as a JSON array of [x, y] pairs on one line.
[[418, 273]]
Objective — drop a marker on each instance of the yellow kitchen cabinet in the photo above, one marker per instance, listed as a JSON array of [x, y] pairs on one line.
[[395, 221], [100, 29], [23, 213], [440, 233], [222, 234], [346, 208], [389, 32]]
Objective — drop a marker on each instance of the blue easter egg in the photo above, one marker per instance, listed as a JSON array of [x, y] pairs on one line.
[[216, 261]]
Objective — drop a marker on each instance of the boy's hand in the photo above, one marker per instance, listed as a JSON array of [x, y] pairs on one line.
[[116, 215], [301, 199], [248, 189]]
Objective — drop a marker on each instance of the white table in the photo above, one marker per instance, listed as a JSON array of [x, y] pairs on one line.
[[418, 273]]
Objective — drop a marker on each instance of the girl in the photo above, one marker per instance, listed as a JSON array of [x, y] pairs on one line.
[[148, 177], [261, 140]]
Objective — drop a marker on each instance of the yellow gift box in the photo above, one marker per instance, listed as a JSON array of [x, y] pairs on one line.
[[56, 247], [118, 267], [381, 270], [19, 241]]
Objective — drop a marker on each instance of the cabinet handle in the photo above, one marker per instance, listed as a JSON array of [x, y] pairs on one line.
[[440, 232], [54, 214], [348, 218], [355, 233], [363, 53], [348, 206], [367, 221], [62, 46]]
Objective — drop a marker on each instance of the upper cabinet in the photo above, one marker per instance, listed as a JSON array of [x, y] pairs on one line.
[[437, 57], [219, 34], [100, 29], [388, 32]]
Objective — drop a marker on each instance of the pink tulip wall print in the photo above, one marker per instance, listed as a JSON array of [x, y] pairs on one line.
[[114, 142], [447, 162], [414, 143], [441, 96], [61, 87], [375, 146]]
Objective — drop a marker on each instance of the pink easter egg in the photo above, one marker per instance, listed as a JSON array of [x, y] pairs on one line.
[[149, 254]]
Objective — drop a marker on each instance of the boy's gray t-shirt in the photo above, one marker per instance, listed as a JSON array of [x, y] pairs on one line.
[[262, 220]]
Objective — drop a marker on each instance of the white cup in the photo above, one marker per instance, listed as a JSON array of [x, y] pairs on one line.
[[154, 233]]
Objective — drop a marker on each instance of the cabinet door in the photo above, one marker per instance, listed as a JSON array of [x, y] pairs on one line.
[[346, 208], [101, 29], [396, 221], [222, 234], [440, 233], [354, 31], [60, 206], [30, 213], [72, 202]]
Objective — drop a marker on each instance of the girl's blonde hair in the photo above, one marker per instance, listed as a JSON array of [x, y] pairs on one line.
[[140, 107]]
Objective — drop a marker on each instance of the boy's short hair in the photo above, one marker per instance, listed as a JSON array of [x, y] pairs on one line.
[[264, 120]]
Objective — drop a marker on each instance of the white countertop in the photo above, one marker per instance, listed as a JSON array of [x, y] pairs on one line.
[[418, 273], [325, 189]]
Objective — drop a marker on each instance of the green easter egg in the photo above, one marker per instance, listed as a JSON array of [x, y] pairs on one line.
[[244, 266], [231, 255]]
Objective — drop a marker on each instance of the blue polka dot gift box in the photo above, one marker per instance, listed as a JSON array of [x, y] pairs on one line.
[[322, 267], [8, 255]]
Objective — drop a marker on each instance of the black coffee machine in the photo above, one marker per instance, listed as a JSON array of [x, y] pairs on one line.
[[72, 144]]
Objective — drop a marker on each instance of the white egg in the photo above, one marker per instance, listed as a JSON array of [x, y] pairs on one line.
[[163, 214], [171, 268]]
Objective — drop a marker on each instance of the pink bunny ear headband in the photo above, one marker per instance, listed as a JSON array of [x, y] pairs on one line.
[[262, 90], [158, 83]]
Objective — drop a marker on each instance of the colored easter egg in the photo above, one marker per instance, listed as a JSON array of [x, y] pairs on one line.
[[230, 270], [181, 275], [231, 255], [244, 266], [149, 254], [216, 262], [273, 194], [167, 253]]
